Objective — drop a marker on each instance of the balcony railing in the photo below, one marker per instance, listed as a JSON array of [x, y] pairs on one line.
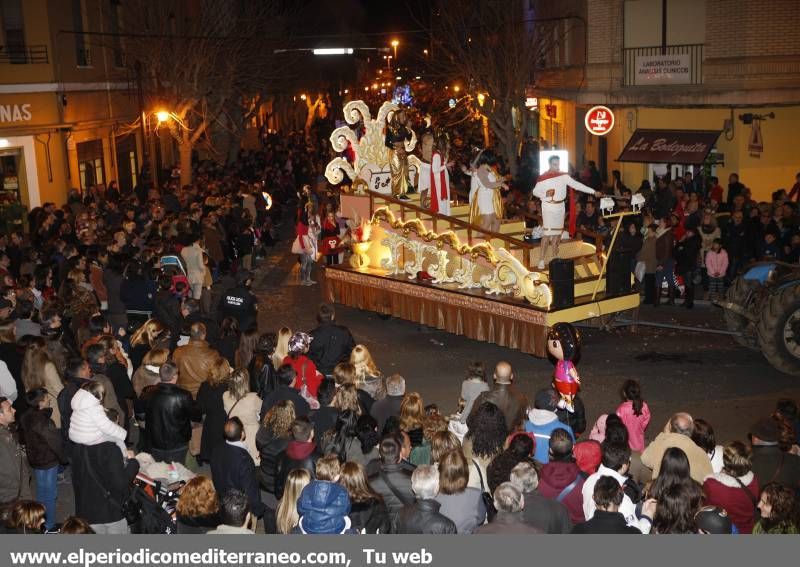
[[663, 65], [23, 54]]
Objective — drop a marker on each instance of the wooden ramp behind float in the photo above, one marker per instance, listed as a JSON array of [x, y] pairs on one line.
[[485, 285]]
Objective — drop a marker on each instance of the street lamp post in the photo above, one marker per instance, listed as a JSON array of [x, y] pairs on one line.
[[395, 43]]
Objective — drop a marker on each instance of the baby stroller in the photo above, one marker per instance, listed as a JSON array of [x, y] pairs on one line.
[[151, 506], [173, 266]]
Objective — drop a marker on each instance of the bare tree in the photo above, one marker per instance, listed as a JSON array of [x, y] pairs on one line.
[[488, 47], [206, 62]]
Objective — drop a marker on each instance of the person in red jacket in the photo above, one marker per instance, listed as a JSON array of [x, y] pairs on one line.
[[735, 488], [561, 479], [307, 374]]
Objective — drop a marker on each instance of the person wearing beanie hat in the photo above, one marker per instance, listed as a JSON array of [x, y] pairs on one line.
[[588, 455], [542, 421], [323, 508], [769, 463]]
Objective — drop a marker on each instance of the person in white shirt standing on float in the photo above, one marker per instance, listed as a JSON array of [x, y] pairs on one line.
[[551, 190]]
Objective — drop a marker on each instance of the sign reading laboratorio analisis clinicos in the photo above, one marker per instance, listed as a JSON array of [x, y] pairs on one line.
[[599, 120]]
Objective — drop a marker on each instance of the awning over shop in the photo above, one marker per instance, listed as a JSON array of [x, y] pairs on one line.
[[669, 146]]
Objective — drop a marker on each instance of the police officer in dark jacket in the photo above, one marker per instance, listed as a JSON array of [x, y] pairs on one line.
[[240, 303], [332, 343], [168, 412]]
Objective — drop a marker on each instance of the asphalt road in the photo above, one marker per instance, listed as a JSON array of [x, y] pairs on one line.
[[708, 375]]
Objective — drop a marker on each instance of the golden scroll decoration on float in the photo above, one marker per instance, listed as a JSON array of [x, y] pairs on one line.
[[508, 275]]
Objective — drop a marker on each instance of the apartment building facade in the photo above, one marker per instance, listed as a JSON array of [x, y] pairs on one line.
[[675, 73], [68, 117]]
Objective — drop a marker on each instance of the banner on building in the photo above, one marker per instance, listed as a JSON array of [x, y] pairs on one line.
[[756, 143], [673, 69]]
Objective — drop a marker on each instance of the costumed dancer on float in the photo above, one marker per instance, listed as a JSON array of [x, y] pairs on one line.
[[564, 345], [551, 190], [397, 133], [440, 177], [485, 201]]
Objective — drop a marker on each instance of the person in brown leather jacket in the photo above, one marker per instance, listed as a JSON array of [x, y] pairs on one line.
[[505, 396], [194, 359]]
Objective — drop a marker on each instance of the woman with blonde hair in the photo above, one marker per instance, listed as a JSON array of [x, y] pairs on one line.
[[147, 374], [197, 511], [240, 402], [346, 398], [209, 400], [147, 337], [287, 516], [39, 371], [368, 378], [282, 348], [272, 439], [368, 511]]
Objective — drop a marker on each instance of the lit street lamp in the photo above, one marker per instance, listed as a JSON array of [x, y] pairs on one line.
[[394, 44]]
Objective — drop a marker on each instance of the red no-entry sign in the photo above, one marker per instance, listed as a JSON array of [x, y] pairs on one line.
[[599, 120]]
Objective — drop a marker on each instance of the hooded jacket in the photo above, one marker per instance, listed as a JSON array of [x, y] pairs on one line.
[[723, 490], [557, 476], [542, 423], [323, 508], [298, 455], [89, 424]]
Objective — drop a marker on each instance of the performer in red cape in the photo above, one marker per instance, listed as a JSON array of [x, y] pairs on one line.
[[440, 178], [551, 189]]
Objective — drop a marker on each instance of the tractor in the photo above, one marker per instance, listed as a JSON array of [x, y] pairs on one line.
[[762, 306]]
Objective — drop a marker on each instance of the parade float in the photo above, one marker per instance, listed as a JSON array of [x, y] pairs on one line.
[[441, 271]]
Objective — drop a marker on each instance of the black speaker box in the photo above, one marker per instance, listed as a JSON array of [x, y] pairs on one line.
[[618, 274], [562, 282]]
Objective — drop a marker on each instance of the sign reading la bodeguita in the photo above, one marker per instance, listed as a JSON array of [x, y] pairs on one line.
[[669, 146]]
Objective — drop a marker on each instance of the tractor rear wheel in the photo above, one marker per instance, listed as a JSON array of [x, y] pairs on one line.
[[738, 294], [779, 330]]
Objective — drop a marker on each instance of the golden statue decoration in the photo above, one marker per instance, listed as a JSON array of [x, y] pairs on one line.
[[372, 163]]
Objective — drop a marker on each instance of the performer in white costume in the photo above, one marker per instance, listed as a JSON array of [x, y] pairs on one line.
[[425, 158], [440, 177], [551, 190]]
